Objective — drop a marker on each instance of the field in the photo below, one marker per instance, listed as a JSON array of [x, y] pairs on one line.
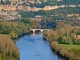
[[71, 52], [75, 49]]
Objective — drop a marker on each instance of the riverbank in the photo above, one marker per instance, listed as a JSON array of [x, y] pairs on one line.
[[13, 29], [54, 49], [9, 31], [68, 51]]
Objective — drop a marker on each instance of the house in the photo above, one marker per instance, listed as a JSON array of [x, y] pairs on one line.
[[38, 17]]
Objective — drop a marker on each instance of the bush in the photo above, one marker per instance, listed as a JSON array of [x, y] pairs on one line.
[[60, 40]]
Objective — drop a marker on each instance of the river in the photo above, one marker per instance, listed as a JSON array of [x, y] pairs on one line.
[[35, 48]]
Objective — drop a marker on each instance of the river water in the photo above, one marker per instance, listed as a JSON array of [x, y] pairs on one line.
[[35, 48]]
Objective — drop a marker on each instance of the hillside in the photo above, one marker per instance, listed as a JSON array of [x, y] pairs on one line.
[[8, 50]]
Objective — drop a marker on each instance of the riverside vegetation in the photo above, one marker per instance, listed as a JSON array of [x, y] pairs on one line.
[[8, 49], [14, 29], [64, 40]]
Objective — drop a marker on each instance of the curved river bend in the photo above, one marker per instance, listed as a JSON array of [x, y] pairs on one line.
[[35, 48]]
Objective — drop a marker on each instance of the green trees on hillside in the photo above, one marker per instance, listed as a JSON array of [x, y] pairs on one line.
[[71, 1], [60, 13], [55, 2], [27, 14], [26, 21], [48, 23]]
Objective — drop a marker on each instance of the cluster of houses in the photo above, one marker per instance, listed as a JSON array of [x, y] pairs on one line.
[[37, 18], [12, 2], [13, 15]]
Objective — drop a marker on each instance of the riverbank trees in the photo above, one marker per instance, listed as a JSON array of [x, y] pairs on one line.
[[13, 29], [64, 40], [8, 49], [69, 51]]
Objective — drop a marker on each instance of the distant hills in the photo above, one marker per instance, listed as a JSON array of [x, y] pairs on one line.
[[47, 2], [14, 2]]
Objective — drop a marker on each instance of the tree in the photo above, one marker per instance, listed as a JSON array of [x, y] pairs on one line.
[[6, 31], [8, 2], [26, 20], [60, 40], [0, 26]]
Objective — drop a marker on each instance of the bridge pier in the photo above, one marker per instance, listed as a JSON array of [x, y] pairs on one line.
[[41, 31], [33, 32]]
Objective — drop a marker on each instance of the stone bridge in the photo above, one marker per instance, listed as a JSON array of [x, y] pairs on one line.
[[41, 30]]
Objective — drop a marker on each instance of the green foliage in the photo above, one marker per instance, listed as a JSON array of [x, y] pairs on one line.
[[8, 2], [26, 20], [60, 40], [15, 55], [60, 12], [6, 31], [14, 29], [55, 2], [78, 33], [0, 27], [77, 43], [66, 42], [66, 50], [71, 1], [8, 54], [27, 14], [48, 23]]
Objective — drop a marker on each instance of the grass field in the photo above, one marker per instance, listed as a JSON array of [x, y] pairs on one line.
[[75, 49], [72, 52]]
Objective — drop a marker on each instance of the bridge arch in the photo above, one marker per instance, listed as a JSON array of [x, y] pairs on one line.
[[41, 30]]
